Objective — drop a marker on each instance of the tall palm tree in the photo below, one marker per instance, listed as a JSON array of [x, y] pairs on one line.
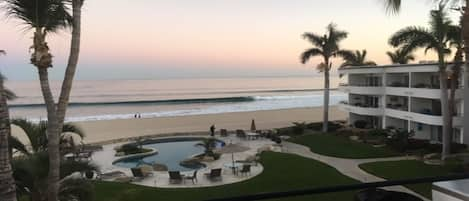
[[438, 39], [327, 47], [37, 137], [43, 17], [357, 58], [7, 186], [400, 56]]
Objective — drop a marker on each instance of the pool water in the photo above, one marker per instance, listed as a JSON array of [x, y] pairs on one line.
[[169, 154]]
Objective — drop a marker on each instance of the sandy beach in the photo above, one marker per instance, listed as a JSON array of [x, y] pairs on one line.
[[106, 130]]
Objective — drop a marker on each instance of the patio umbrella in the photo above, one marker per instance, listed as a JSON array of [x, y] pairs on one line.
[[231, 149], [253, 125]]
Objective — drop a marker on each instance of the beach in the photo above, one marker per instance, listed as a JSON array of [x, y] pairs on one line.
[[109, 130]]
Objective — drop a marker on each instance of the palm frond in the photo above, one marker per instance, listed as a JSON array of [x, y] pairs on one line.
[[315, 39], [73, 129], [49, 15], [35, 134], [307, 54], [9, 94], [15, 144], [392, 6]]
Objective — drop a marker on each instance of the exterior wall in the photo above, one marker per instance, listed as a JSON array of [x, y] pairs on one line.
[[439, 196], [408, 98]]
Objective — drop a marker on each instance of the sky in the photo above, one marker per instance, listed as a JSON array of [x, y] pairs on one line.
[[157, 39]]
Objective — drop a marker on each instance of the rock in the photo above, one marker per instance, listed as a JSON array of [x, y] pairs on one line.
[[160, 167]]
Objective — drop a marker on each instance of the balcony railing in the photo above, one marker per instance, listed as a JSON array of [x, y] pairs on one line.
[[341, 188]]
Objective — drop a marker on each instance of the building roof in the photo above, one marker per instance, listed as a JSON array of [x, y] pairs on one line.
[[388, 66]]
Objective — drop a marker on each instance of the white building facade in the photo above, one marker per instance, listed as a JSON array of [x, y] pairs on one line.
[[400, 96]]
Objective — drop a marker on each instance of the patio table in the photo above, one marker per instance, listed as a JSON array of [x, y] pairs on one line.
[[233, 166]]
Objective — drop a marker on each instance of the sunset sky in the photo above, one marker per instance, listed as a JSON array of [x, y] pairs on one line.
[[152, 39]]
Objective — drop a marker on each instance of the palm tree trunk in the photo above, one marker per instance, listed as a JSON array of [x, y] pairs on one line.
[[52, 136], [72, 62], [458, 62], [7, 183], [447, 127], [325, 119], [465, 27]]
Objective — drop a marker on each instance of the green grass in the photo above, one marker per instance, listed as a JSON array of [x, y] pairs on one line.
[[342, 147], [407, 170], [282, 172]]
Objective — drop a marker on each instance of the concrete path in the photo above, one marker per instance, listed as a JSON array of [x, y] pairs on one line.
[[348, 167]]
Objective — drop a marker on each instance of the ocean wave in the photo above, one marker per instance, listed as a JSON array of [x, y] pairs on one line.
[[154, 102]]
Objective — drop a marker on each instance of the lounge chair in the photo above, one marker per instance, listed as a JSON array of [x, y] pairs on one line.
[[140, 173], [246, 169], [193, 177], [223, 133], [175, 177], [215, 174]]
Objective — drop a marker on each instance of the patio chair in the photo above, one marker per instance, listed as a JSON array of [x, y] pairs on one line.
[[223, 133], [139, 173], [240, 133], [246, 169], [193, 177], [215, 174], [175, 177]]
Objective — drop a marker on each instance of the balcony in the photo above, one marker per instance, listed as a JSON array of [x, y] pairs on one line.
[[421, 118], [365, 90], [361, 110]]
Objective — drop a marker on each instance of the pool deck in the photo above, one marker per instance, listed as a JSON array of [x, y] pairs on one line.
[[160, 179]]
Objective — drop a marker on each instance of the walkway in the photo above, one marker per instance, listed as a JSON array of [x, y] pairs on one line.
[[348, 167]]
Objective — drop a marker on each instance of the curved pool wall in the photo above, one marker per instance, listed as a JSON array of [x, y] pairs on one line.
[[171, 151]]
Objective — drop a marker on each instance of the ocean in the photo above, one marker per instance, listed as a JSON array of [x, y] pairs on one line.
[[123, 99]]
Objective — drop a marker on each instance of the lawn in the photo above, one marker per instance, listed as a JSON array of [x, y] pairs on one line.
[[282, 172], [342, 147], [407, 170]]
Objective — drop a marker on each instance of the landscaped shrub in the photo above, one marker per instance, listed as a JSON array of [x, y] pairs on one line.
[[360, 124], [317, 126], [437, 148], [132, 148], [378, 132], [129, 149], [399, 139], [299, 128]]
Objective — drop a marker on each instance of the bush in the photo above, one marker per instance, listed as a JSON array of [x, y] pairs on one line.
[[399, 139], [437, 148], [299, 128], [378, 132], [360, 124], [132, 148], [317, 126]]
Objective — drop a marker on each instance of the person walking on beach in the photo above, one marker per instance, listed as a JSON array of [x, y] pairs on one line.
[[212, 130]]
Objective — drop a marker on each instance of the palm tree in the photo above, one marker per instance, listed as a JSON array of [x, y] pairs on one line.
[[357, 58], [30, 172], [438, 39], [208, 144], [7, 186], [458, 60], [327, 47], [37, 137], [400, 56], [44, 17]]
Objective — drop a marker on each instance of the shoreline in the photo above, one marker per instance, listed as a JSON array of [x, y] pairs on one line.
[[119, 130]]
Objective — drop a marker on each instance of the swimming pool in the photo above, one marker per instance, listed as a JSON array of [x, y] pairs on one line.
[[170, 153]]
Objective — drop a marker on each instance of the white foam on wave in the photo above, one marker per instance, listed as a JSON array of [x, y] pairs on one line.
[[261, 104]]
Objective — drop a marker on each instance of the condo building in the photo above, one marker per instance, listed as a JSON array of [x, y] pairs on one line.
[[401, 97]]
